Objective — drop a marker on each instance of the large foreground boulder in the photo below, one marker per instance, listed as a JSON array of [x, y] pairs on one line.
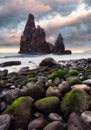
[[47, 105], [74, 101], [75, 122], [20, 109]]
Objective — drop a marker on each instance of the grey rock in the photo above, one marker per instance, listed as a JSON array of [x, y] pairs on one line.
[[52, 91], [88, 82], [5, 121], [76, 123], [64, 87], [38, 124], [50, 62], [86, 116], [55, 117], [10, 63], [55, 125], [12, 95], [81, 86]]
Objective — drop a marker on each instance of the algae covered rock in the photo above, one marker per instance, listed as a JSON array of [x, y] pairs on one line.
[[57, 73], [74, 101], [21, 111], [47, 105], [74, 80], [73, 72]]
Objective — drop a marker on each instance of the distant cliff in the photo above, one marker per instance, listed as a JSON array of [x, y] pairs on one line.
[[33, 40]]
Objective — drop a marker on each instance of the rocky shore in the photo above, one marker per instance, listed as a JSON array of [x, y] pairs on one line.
[[54, 96]]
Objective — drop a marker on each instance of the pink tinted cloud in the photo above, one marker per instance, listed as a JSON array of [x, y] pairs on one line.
[[86, 37], [12, 41], [58, 21]]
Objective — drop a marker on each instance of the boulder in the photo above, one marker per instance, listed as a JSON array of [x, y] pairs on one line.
[[33, 91], [55, 117], [55, 125], [11, 95], [86, 116], [5, 121], [50, 62], [76, 123], [53, 91], [20, 109], [47, 105], [81, 86], [74, 101], [10, 63], [38, 124], [64, 87]]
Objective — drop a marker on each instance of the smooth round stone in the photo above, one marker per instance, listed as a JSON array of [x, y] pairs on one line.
[[42, 79], [88, 82], [55, 117], [3, 106], [86, 116], [5, 122], [81, 86], [37, 114]]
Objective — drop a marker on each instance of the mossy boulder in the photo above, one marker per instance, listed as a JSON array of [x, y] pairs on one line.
[[57, 73], [57, 80], [74, 101], [21, 111], [73, 72], [86, 73], [47, 105], [74, 80], [20, 81]]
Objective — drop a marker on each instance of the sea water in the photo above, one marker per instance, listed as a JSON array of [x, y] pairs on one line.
[[32, 61]]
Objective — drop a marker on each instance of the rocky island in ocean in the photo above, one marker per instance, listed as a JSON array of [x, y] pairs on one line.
[[33, 40]]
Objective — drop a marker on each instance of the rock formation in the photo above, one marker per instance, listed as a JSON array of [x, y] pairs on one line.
[[33, 40], [59, 47]]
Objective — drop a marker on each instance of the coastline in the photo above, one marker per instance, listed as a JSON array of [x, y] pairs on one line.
[[49, 94]]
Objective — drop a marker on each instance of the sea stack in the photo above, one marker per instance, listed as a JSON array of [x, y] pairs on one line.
[[33, 40], [59, 47]]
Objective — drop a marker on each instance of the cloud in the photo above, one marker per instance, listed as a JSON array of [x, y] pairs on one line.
[[72, 18], [58, 21]]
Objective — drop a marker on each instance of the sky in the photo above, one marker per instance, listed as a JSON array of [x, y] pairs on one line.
[[71, 18]]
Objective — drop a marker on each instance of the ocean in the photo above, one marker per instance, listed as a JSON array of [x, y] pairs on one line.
[[32, 61]]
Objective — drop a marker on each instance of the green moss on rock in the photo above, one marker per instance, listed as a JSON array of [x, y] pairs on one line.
[[74, 101], [47, 105], [73, 72], [57, 73], [21, 110], [74, 80]]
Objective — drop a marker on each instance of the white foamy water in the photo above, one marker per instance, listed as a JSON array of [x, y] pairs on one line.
[[32, 61]]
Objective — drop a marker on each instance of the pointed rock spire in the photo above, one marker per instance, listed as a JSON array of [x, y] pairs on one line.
[[59, 45], [33, 40]]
